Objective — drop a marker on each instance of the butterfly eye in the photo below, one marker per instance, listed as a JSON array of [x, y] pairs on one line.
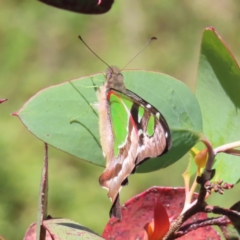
[[109, 76], [109, 72]]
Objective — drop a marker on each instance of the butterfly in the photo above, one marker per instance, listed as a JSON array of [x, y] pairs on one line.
[[131, 131]]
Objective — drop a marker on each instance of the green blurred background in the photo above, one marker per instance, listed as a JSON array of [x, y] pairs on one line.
[[39, 47]]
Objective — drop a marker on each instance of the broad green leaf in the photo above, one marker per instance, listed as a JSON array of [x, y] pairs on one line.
[[50, 114], [82, 6], [218, 88]]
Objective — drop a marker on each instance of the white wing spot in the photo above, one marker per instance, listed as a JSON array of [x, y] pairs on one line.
[[166, 134], [158, 115], [139, 119], [140, 149], [140, 132], [148, 106]]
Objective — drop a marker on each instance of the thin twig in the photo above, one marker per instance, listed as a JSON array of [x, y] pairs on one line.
[[219, 221], [43, 198], [235, 152], [223, 211], [198, 207], [227, 147], [200, 204]]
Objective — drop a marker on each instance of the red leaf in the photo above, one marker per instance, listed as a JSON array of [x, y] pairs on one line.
[[157, 228], [82, 6], [139, 211]]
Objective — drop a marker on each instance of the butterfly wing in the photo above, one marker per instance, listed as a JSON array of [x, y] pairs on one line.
[[139, 132], [153, 130], [125, 145]]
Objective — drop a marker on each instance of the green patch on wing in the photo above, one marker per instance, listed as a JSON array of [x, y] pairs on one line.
[[119, 108], [141, 112], [150, 126]]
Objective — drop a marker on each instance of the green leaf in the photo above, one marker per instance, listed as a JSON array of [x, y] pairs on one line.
[[50, 113], [218, 87], [64, 229]]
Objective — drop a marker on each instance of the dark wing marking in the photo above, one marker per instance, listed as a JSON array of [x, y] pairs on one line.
[[159, 142]]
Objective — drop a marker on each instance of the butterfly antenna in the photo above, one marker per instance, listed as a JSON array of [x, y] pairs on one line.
[[151, 39], [93, 51]]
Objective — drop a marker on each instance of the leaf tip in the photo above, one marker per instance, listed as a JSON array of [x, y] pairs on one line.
[[211, 28], [3, 100], [15, 114]]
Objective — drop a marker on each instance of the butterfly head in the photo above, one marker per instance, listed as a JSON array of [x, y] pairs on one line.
[[115, 79]]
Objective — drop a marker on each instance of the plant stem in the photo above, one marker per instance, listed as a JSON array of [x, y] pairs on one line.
[[226, 147], [211, 153]]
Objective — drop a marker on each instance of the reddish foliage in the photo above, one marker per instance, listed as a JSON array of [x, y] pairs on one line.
[[139, 211], [160, 224], [82, 6], [31, 233]]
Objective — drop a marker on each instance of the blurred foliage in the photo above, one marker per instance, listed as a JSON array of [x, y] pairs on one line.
[[39, 47]]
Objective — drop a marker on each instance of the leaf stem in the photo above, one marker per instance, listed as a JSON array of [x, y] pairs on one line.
[[226, 147], [211, 153]]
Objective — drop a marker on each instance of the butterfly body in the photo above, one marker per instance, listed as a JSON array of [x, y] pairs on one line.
[[131, 131]]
